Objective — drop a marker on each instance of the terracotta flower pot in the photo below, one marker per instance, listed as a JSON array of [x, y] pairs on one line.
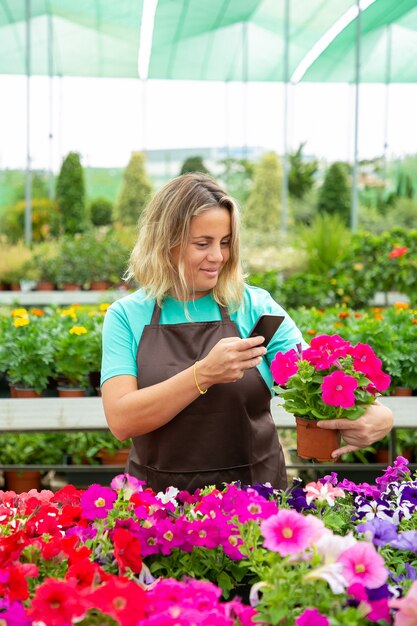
[[99, 285], [25, 392], [114, 458], [67, 392], [315, 443], [45, 285], [21, 481], [71, 287], [403, 391]]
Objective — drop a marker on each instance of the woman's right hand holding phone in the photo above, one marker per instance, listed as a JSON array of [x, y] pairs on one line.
[[228, 359]]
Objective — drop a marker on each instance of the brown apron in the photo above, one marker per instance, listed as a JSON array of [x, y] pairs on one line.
[[225, 435]]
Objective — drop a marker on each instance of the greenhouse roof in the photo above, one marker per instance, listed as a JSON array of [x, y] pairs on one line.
[[223, 40]]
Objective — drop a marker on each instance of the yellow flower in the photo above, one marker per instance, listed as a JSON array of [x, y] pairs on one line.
[[21, 321], [19, 313], [104, 306], [68, 313], [358, 267], [78, 330]]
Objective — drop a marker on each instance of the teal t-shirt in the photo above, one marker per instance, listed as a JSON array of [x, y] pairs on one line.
[[126, 318]]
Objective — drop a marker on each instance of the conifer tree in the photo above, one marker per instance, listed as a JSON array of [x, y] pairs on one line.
[[70, 195], [334, 194], [135, 190], [264, 202]]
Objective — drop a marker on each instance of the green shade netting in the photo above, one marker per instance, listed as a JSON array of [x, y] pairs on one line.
[[235, 40], [85, 37], [224, 40], [388, 47]]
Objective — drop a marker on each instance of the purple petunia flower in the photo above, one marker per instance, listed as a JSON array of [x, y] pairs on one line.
[[97, 501], [382, 531], [394, 473], [407, 540]]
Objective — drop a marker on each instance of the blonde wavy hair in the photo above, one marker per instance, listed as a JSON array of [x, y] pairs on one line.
[[165, 224]]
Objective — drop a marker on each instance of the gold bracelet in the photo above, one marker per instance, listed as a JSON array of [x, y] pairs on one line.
[[201, 391]]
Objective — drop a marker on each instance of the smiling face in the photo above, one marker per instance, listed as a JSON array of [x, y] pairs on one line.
[[206, 252]]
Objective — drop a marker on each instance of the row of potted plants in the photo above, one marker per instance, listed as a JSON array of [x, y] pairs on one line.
[[38, 346], [327, 553], [93, 260], [55, 449], [64, 345]]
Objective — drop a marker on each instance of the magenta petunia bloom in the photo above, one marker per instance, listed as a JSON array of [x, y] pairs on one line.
[[338, 389], [325, 350], [284, 366], [97, 501], [287, 532], [312, 617], [363, 564]]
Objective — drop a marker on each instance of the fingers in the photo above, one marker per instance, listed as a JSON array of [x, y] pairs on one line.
[[344, 450]]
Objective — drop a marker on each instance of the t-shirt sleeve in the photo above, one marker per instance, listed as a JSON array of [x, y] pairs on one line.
[[119, 347]]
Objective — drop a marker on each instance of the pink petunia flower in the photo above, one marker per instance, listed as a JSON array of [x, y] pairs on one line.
[[312, 617], [323, 492], [97, 501], [407, 613], [284, 366], [338, 389], [362, 564], [287, 532]]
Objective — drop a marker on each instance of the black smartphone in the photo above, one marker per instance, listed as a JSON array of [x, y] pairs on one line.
[[267, 325]]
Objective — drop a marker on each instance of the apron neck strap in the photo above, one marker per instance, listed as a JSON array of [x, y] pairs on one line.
[[156, 314]]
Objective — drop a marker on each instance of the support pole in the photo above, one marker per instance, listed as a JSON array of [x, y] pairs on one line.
[[28, 187], [285, 167], [354, 218], [245, 66], [387, 84], [51, 106]]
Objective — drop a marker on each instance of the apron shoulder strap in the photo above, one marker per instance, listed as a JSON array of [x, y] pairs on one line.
[[156, 314]]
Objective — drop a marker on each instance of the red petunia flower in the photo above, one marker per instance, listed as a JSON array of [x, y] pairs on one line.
[[120, 598], [57, 602], [127, 550]]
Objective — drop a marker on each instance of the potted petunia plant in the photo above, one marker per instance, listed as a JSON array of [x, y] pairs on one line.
[[329, 380]]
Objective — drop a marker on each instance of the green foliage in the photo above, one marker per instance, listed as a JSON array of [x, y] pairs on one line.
[[135, 191], [101, 212], [301, 173], [264, 202], [32, 448], [324, 241], [304, 289], [46, 220], [27, 353], [368, 266], [237, 177], [45, 260], [70, 195], [15, 259], [334, 194], [39, 187], [194, 164], [405, 186]]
